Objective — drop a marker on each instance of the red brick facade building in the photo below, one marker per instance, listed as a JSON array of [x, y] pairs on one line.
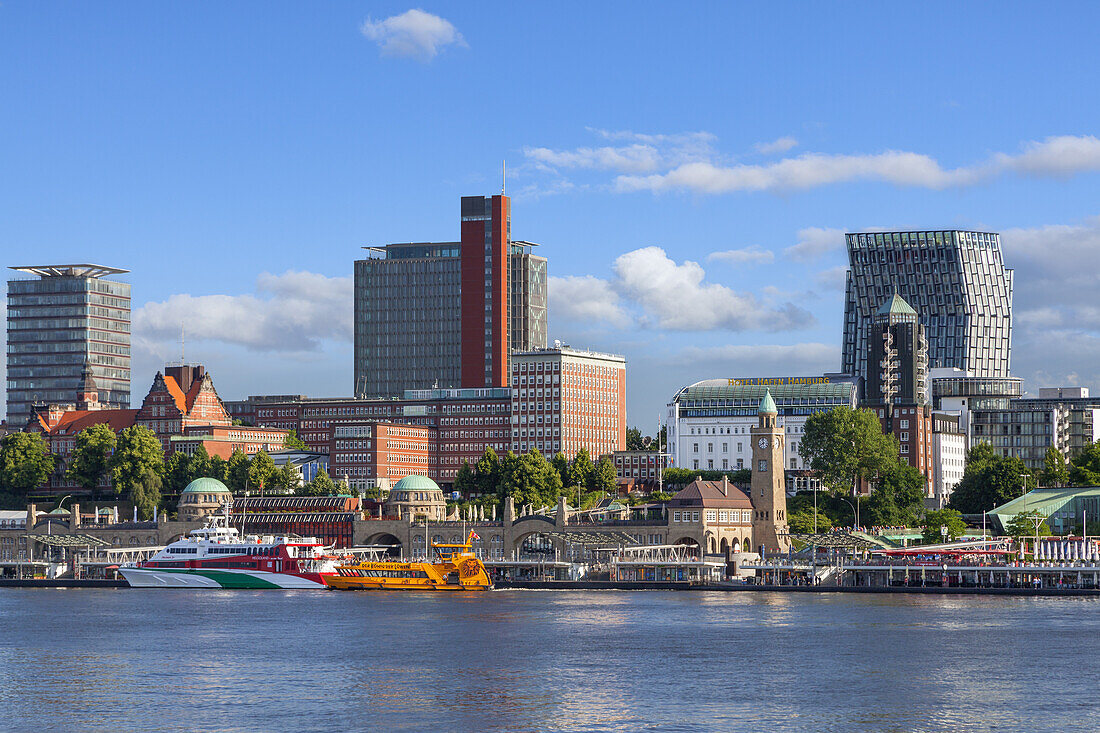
[[222, 440], [182, 397], [565, 399], [381, 453]]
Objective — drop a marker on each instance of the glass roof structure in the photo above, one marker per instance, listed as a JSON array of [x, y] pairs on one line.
[[791, 396]]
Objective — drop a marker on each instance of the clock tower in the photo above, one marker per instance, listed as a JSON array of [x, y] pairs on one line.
[[769, 492]]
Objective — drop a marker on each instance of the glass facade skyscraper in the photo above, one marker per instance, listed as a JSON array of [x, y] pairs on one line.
[[448, 314], [957, 283], [68, 315]]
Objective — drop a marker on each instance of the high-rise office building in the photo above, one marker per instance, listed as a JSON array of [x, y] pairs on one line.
[[67, 317], [956, 282], [444, 315]]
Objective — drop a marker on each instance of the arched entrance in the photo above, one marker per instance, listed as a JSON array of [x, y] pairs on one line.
[[725, 547], [536, 543], [393, 545]]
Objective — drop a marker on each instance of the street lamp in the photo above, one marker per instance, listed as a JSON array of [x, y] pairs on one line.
[[853, 510]]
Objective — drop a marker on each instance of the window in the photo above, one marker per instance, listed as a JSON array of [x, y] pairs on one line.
[[712, 515], [695, 448], [676, 516], [903, 424], [763, 466], [695, 516], [794, 463]]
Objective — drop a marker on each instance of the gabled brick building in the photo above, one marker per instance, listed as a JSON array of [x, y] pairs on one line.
[[182, 397]]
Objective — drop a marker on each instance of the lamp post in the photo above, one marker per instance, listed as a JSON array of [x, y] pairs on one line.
[[853, 510]]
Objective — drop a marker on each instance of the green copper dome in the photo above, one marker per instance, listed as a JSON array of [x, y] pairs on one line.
[[206, 486], [767, 405], [416, 483]]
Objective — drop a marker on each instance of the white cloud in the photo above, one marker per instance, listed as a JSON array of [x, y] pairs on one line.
[[637, 158], [809, 170], [413, 34], [813, 242], [687, 162], [642, 153], [833, 278], [1062, 155], [585, 299], [675, 297], [753, 254], [292, 312], [780, 145]]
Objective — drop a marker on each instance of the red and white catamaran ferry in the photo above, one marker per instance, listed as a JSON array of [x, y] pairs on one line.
[[216, 556]]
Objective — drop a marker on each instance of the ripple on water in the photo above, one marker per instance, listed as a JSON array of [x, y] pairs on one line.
[[608, 661]]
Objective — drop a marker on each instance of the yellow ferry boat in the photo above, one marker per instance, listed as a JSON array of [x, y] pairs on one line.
[[458, 569]]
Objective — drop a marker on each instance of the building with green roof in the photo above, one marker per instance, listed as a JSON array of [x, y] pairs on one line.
[[1064, 508], [708, 422]]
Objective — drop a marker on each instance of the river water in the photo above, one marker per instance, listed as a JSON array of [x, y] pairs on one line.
[[164, 660]]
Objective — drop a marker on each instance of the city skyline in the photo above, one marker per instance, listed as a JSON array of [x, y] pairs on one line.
[[240, 167]]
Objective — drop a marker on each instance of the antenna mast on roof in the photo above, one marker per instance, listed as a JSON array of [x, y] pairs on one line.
[[503, 175], [183, 358]]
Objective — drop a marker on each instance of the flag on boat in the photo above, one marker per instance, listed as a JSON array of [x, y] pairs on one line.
[[474, 535]]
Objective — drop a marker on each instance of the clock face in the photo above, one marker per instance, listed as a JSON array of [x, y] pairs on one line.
[[763, 443]]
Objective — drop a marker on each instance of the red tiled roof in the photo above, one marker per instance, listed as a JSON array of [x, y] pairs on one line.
[[192, 393], [73, 421], [177, 393], [709, 494]]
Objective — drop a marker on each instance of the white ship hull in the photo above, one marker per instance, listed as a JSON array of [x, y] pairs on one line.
[[210, 578]]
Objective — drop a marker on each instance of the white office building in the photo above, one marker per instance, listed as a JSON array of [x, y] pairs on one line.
[[708, 422]]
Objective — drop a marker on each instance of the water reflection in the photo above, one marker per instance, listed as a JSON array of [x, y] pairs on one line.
[[159, 661]]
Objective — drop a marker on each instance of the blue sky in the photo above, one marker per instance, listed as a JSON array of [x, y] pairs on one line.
[[688, 168]]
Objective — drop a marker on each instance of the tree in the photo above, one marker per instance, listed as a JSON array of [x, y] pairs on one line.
[[285, 479], [137, 466], [897, 500], [1055, 473], [25, 464], [177, 472], [321, 485], [145, 493], [802, 521], [561, 465], [236, 471], [199, 465], [680, 476], [488, 472], [1023, 525], [292, 441], [603, 477], [949, 518], [843, 446], [218, 468], [1085, 466], [990, 480], [580, 469], [530, 479], [260, 469], [465, 480], [633, 439], [88, 461]]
